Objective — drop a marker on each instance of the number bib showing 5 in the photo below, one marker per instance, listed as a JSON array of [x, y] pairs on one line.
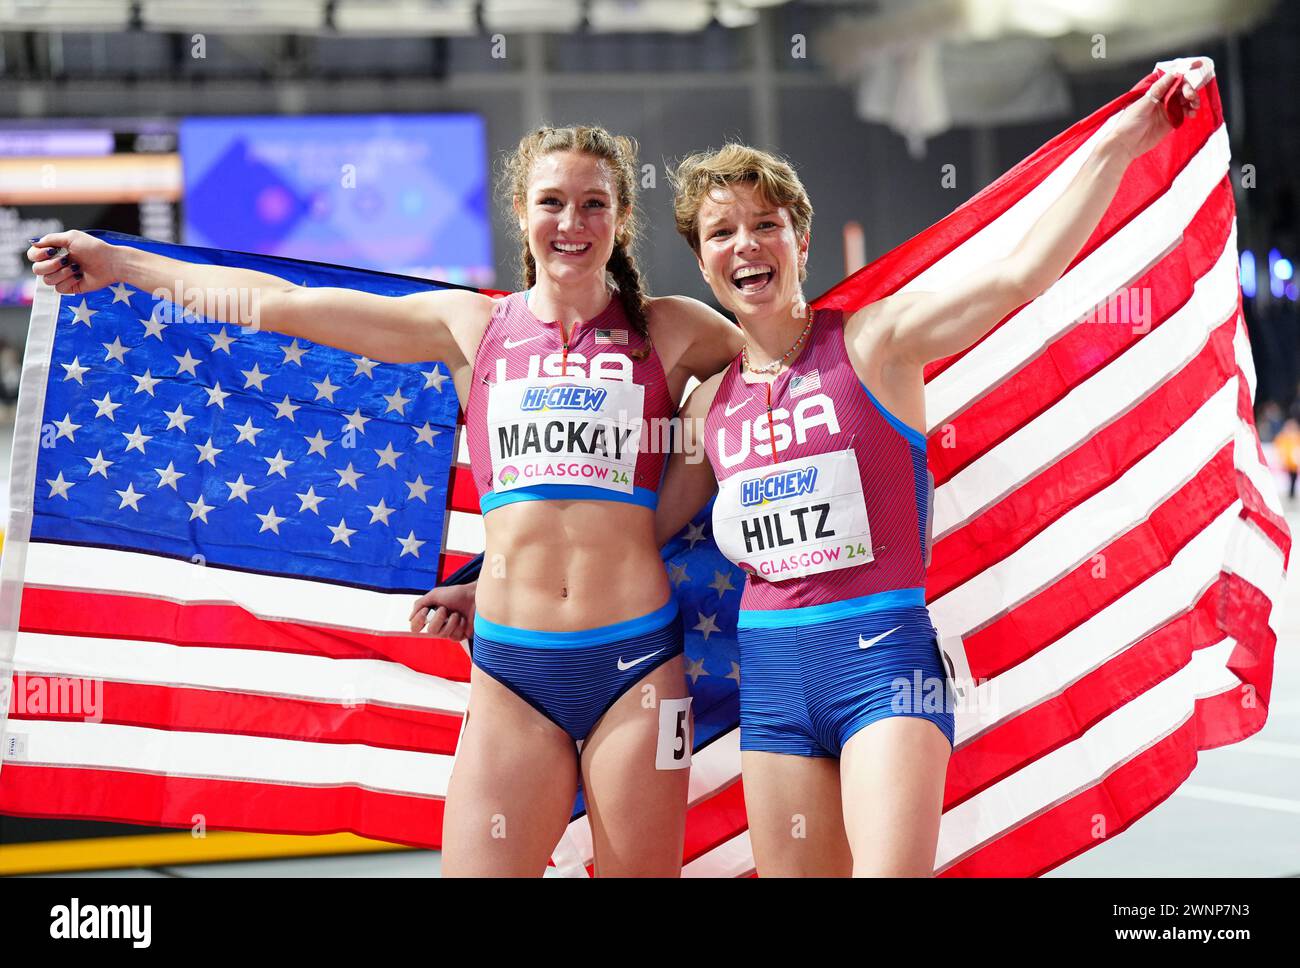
[[798, 517], [566, 430]]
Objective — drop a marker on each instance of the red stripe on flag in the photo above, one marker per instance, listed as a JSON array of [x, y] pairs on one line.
[[106, 615], [187, 709], [714, 821], [463, 493], [177, 801]]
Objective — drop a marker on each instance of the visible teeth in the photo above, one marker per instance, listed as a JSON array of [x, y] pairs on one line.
[[748, 271], [571, 246]]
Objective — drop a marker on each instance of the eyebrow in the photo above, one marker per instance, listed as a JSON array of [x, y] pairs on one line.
[[560, 191], [719, 218]]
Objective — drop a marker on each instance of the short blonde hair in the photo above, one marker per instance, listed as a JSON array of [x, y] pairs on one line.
[[776, 181]]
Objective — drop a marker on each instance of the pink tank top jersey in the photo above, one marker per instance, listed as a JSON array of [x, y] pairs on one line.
[[545, 421], [841, 510]]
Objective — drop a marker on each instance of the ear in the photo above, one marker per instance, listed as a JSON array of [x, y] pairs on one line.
[[700, 262], [519, 211], [803, 248]]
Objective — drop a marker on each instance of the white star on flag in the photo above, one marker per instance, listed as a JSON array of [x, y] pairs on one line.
[[694, 534], [247, 432], [186, 363], [417, 489], [199, 509], [115, 350], [129, 496], [153, 326], [379, 512], [74, 370], [388, 456], [293, 353], [434, 379], [695, 669], [317, 444], [254, 377], [396, 402], [410, 545], [425, 434], [145, 383], [677, 574], [98, 465], [168, 475], [364, 365], [59, 486], [66, 428], [285, 409], [208, 453], [277, 464], [121, 293], [105, 406], [82, 313], [348, 478], [356, 421], [722, 583], [221, 341], [310, 501], [216, 395], [270, 522], [341, 532], [706, 624], [326, 390], [176, 418], [136, 440], [238, 489]]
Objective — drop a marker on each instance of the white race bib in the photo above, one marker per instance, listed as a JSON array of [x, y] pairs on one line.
[[564, 430], [799, 517]]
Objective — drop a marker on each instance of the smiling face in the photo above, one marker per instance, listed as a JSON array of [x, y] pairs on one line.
[[749, 252], [570, 214]]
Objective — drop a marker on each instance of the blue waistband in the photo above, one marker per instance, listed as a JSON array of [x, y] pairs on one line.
[[771, 618], [598, 636], [642, 496]]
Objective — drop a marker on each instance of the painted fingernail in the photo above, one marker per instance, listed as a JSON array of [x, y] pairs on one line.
[[79, 276], [64, 260], [34, 241], [51, 253], [74, 267]]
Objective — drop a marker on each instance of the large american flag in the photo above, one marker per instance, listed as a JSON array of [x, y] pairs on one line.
[[1108, 548], [224, 530], [1108, 545]]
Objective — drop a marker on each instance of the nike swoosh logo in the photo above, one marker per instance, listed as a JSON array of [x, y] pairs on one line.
[[511, 344], [624, 666], [868, 643], [731, 410]]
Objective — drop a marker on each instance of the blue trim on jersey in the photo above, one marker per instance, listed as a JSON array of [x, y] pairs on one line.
[[777, 618], [642, 496], [511, 635], [913, 435]]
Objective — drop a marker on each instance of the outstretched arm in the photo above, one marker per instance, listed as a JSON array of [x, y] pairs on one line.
[[925, 326], [403, 329]]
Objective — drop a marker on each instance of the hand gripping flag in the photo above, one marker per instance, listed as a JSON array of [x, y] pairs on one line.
[[215, 540], [1108, 546]]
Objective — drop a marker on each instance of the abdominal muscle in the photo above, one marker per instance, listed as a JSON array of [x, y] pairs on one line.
[[564, 566]]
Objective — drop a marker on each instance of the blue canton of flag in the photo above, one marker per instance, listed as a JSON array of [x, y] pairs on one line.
[[250, 450]]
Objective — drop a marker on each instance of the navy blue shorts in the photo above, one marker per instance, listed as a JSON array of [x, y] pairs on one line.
[[573, 678], [806, 686]]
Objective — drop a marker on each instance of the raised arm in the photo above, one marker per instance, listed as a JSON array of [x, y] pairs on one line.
[[402, 329], [925, 326], [688, 481]]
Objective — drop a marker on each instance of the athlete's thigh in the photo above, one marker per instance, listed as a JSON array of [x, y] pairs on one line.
[[796, 826], [637, 811], [511, 790], [893, 773]]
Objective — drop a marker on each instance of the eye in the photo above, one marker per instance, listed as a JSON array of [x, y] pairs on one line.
[[768, 225], [718, 233], [596, 203], [548, 200]]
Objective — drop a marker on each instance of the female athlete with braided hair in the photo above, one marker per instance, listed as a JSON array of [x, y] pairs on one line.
[[578, 640]]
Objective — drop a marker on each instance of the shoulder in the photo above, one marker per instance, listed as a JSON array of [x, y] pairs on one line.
[[700, 400], [693, 335], [684, 314]]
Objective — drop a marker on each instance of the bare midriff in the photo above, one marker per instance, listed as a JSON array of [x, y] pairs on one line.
[[564, 566]]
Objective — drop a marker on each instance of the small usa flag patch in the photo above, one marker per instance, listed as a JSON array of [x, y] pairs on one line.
[[618, 336], [806, 383]]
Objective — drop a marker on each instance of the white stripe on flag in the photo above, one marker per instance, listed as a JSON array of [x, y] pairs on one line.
[[465, 532], [234, 757], [248, 671], [734, 858], [169, 579]]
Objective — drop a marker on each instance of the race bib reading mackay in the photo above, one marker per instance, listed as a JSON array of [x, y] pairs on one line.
[[798, 517], [567, 430]]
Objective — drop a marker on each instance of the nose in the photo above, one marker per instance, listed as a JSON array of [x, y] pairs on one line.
[[570, 217], [745, 240]]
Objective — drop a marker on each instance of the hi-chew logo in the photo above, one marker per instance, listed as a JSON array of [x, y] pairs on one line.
[[774, 487], [565, 397]]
